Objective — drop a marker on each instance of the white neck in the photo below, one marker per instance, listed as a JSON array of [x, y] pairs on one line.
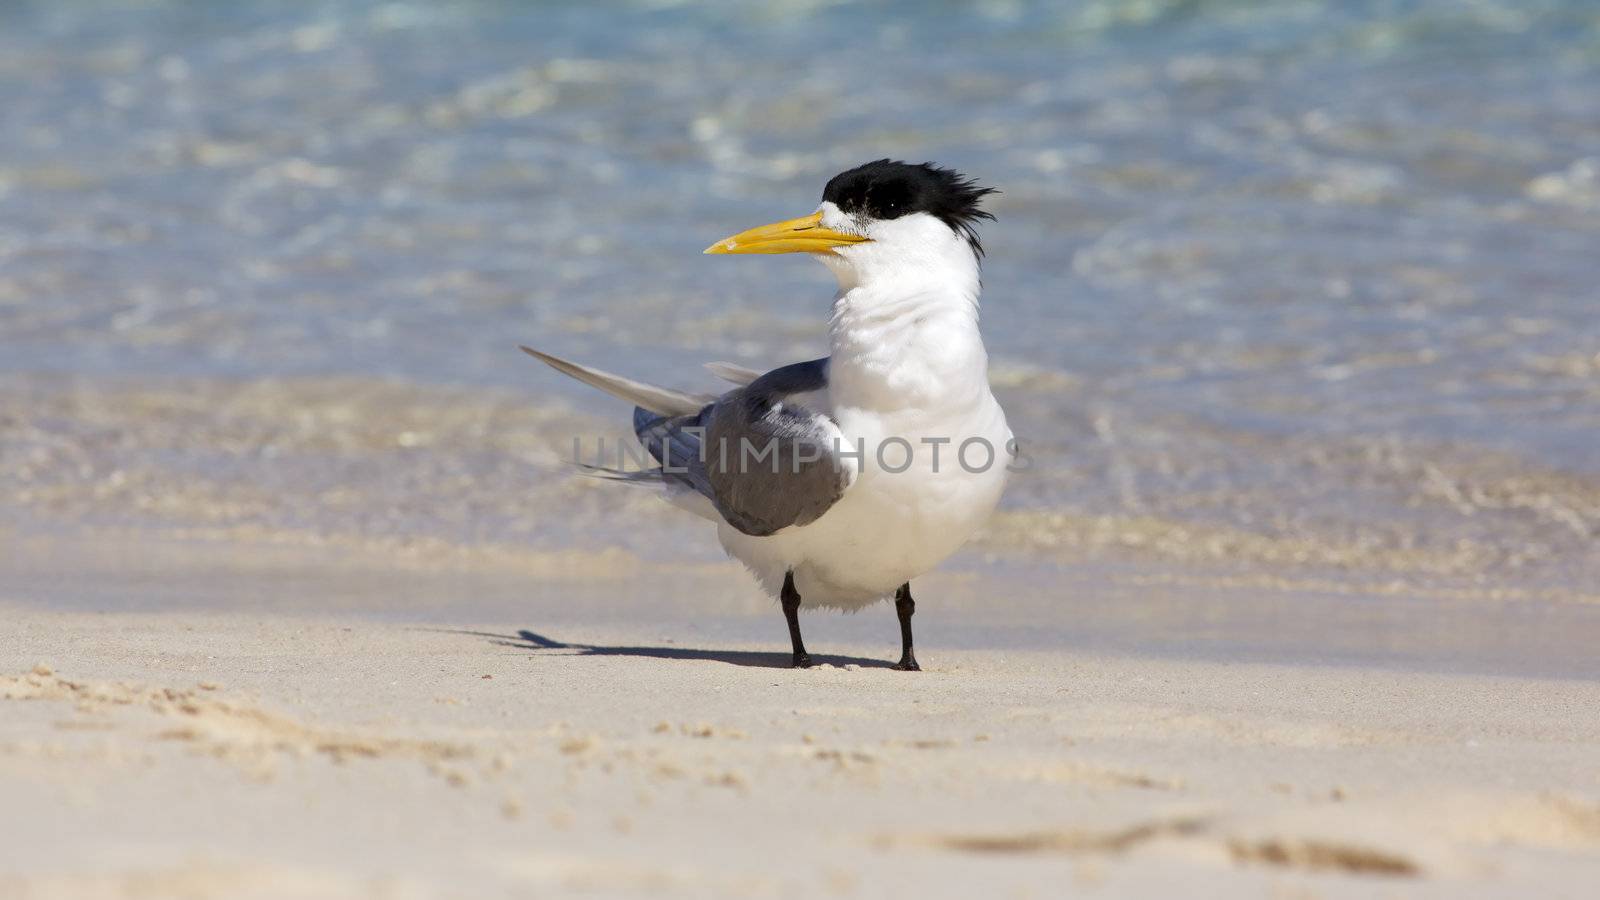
[[904, 330]]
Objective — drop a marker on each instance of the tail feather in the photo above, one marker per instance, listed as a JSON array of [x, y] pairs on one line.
[[607, 473], [664, 401], [674, 490], [733, 372]]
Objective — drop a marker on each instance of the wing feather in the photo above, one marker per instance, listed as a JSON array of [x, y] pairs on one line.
[[764, 460]]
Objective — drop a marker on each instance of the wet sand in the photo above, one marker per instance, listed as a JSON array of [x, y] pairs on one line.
[[319, 724]]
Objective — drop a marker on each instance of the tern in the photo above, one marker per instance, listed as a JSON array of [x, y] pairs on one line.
[[838, 480]]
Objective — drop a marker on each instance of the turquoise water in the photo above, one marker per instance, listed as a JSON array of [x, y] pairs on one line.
[[1287, 283]]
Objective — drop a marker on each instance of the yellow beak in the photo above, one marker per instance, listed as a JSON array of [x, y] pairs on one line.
[[803, 235]]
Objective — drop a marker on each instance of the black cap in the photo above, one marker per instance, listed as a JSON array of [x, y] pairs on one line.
[[888, 189]]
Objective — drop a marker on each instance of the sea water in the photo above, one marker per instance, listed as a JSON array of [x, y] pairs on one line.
[[1287, 286]]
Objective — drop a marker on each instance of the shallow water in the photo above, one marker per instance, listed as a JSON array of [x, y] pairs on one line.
[[1276, 285]]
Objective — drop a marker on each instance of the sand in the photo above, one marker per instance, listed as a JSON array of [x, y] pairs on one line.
[[318, 724]]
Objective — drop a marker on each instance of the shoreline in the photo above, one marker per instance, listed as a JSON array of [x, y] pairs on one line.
[[974, 602], [223, 719]]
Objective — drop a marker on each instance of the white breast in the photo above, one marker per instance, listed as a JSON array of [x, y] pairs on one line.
[[908, 386]]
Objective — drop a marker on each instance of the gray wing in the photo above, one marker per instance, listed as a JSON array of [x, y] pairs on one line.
[[764, 460]]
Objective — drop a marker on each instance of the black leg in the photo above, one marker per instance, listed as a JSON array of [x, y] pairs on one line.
[[905, 606], [790, 598]]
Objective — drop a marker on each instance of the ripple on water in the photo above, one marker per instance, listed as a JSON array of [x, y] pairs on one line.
[[1290, 285]]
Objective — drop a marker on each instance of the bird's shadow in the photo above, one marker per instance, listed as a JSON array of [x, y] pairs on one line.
[[526, 639]]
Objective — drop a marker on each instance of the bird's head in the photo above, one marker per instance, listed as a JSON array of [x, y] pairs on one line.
[[881, 218]]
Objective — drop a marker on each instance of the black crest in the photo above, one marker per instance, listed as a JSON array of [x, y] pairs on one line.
[[887, 189]]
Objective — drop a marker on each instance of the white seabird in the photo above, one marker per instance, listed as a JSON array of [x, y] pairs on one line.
[[837, 481]]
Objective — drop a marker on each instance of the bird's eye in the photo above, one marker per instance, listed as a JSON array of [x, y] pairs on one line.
[[890, 201]]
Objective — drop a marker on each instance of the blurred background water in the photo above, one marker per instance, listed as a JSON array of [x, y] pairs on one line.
[[1274, 284]]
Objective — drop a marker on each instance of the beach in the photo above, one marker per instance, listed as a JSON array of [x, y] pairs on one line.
[[318, 726], [1290, 307]]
